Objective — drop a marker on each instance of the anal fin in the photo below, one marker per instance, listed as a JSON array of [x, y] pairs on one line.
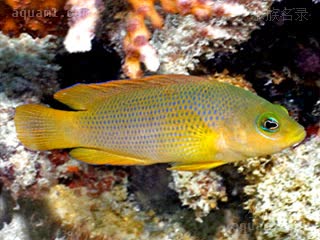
[[96, 156], [196, 166]]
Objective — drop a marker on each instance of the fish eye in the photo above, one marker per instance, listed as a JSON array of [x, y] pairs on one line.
[[268, 123]]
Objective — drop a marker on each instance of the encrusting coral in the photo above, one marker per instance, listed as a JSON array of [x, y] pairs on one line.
[[26, 65], [284, 193], [180, 35], [27, 74], [108, 214], [83, 18], [200, 190], [190, 29]]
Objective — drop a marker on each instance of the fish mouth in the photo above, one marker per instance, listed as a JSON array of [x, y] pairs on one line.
[[298, 137]]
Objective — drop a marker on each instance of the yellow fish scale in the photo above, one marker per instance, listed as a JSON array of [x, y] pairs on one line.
[[158, 124]]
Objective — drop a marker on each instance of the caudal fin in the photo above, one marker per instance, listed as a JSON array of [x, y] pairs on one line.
[[42, 128]]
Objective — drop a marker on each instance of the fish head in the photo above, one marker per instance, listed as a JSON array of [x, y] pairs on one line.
[[263, 129], [276, 128]]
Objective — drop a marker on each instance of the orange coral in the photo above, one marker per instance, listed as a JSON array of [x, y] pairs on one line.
[[146, 9], [137, 47], [136, 43], [37, 18]]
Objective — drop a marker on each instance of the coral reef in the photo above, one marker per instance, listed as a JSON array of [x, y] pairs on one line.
[[150, 187], [184, 40], [234, 229], [27, 74], [191, 30], [95, 202], [236, 80], [83, 18], [230, 233], [27, 218], [17, 229], [115, 215], [209, 27], [26, 65], [136, 42], [109, 214], [200, 190], [19, 168], [284, 193]]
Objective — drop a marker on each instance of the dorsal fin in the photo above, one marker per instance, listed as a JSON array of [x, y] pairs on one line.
[[81, 96]]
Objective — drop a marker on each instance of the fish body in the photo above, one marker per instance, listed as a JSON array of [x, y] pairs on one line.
[[193, 122]]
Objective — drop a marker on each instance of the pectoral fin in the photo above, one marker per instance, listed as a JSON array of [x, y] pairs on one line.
[[196, 166], [95, 156]]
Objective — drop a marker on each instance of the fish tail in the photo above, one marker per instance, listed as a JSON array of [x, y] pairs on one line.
[[43, 128]]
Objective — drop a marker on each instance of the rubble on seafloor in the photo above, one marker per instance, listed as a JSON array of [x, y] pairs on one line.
[[284, 192]]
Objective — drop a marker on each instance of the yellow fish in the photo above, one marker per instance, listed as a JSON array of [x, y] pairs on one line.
[[193, 122]]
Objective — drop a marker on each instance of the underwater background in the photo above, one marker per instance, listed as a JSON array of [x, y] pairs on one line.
[[268, 47]]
